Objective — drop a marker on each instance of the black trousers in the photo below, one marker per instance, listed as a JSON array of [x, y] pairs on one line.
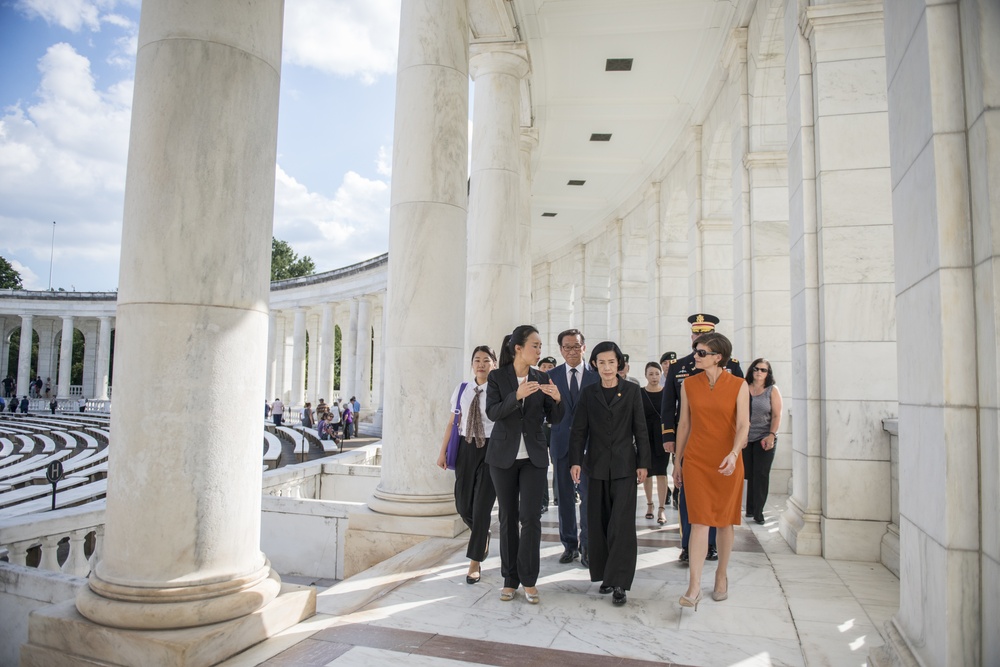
[[474, 496], [757, 471], [612, 543], [519, 491]]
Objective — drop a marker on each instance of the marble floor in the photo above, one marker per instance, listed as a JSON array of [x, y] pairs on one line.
[[416, 609]]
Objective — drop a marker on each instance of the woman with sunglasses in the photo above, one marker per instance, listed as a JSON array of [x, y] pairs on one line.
[[765, 419], [711, 434]]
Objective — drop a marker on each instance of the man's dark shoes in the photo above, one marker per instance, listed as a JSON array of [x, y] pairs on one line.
[[619, 596], [584, 558], [569, 556], [684, 556], [759, 519], [713, 554], [604, 590]]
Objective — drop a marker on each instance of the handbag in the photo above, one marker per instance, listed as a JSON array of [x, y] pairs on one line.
[[454, 440]]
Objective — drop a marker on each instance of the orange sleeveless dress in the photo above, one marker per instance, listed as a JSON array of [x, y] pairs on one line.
[[713, 499]]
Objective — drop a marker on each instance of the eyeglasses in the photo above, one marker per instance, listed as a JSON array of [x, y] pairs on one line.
[[761, 370], [572, 348], [705, 353]]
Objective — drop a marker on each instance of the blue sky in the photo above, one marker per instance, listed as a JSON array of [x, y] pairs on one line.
[[65, 106]]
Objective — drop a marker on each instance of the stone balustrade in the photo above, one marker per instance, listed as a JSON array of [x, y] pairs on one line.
[[35, 540]]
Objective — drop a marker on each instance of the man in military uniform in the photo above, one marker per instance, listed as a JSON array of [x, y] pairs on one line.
[[670, 408]]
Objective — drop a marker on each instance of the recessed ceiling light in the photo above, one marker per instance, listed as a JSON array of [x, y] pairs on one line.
[[618, 65], [600, 137], [549, 215], [575, 182]]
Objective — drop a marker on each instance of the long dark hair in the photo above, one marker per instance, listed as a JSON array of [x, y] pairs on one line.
[[769, 380], [483, 348], [518, 337], [607, 346]]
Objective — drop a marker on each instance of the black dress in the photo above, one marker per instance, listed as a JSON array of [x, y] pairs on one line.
[[654, 427]]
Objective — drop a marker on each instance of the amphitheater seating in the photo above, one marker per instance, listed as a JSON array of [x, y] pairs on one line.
[[272, 450]]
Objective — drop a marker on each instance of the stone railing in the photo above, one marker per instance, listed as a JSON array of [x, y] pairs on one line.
[[35, 540], [889, 549]]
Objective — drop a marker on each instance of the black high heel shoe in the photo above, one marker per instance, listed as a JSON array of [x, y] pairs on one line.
[[649, 511]]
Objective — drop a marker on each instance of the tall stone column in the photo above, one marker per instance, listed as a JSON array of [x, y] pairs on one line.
[[45, 349], [493, 287], [298, 358], [24, 355], [425, 300], [325, 350], [847, 258], [349, 353], [181, 544], [313, 344], [103, 360], [378, 372], [944, 130], [363, 367], [593, 315], [65, 357], [88, 327], [529, 139], [672, 263], [271, 372]]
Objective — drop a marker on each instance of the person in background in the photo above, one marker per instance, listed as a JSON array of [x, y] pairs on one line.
[[667, 359], [765, 420], [658, 458], [545, 365], [711, 433], [519, 399], [347, 417], [307, 416], [277, 411], [322, 425], [53, 405], [624, 373], [82, 403], [474, 493], [334, 419]]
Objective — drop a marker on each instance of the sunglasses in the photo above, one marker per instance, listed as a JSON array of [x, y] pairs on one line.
[[761, 370], [705, 353]]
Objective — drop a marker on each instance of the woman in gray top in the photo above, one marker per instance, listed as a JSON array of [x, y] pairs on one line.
[[765, 419]]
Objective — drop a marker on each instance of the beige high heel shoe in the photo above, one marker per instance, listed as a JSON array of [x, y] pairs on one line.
[[724, 595], [685, 601]]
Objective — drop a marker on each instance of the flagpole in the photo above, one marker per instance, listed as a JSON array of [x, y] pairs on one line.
[[52, 253]]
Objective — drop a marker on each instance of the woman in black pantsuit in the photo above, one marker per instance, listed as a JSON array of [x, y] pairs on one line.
[[474, 494], [518, 400], [765, 419], [611, 424]]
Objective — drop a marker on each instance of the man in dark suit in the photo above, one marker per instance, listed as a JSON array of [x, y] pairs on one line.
[[611, 421], [572, 348], [680, 370]]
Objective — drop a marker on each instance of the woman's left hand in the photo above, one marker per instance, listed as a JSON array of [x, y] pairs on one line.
[[728, 464], [551, 390], [768, 442]]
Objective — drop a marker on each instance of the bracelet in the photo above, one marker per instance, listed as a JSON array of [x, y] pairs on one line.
[[771, 433]]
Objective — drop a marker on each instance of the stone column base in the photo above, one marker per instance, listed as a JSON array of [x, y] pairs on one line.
[[801, 530], [372, 537], [889, 551], [59, 636], [896, 652]]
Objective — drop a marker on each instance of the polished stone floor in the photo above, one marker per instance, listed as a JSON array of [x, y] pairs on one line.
[[416, 609]]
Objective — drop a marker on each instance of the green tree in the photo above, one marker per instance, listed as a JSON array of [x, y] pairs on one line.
[[11, 279], [285, 263]]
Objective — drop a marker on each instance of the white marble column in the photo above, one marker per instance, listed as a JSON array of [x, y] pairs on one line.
[[378, 372], [541, 315], [629, 296], [349, 352], [944, 130], [493, 286], [181, 544], [89, 328], [272, 362], [65, 357], [529, 139], [852, 240], [103, 360], [24, 355], [325, 352], [593, 315], [313, 356], [363, 368], [425, 299], [672, 263], [45, 350], [298, 359]]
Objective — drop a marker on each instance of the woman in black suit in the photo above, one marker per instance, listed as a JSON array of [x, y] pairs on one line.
[[611, 423], [518, 400]]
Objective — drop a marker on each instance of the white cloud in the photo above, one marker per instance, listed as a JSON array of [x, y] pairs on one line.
[[383, 164], [70, 14], [350, 227], [350, 38], [29, 280]]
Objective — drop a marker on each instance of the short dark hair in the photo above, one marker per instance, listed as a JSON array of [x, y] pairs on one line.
[[653, 364], [769, 380], [518, 337], [607, 346], [570, 332], [716, 342], [483, 348]]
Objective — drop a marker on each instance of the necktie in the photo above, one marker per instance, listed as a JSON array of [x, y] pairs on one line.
[[574, 386], [474, 424]]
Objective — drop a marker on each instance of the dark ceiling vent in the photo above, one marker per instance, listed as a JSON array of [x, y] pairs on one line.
[[575, 182], [549, 215], [600, 137], [618, 65]]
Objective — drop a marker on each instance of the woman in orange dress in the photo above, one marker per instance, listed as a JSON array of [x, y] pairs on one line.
[[711, 434]]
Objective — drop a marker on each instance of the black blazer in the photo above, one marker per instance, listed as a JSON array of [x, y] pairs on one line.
[[618, 441], [510, 418]]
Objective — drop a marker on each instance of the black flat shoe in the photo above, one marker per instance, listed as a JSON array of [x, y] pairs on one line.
[[759, 519], [619, 596], [713, 554], [584, 559], [469, 579], [568, 556], [604, 590], [684, 556]]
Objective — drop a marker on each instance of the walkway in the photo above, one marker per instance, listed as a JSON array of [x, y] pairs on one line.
[[783, 610]]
